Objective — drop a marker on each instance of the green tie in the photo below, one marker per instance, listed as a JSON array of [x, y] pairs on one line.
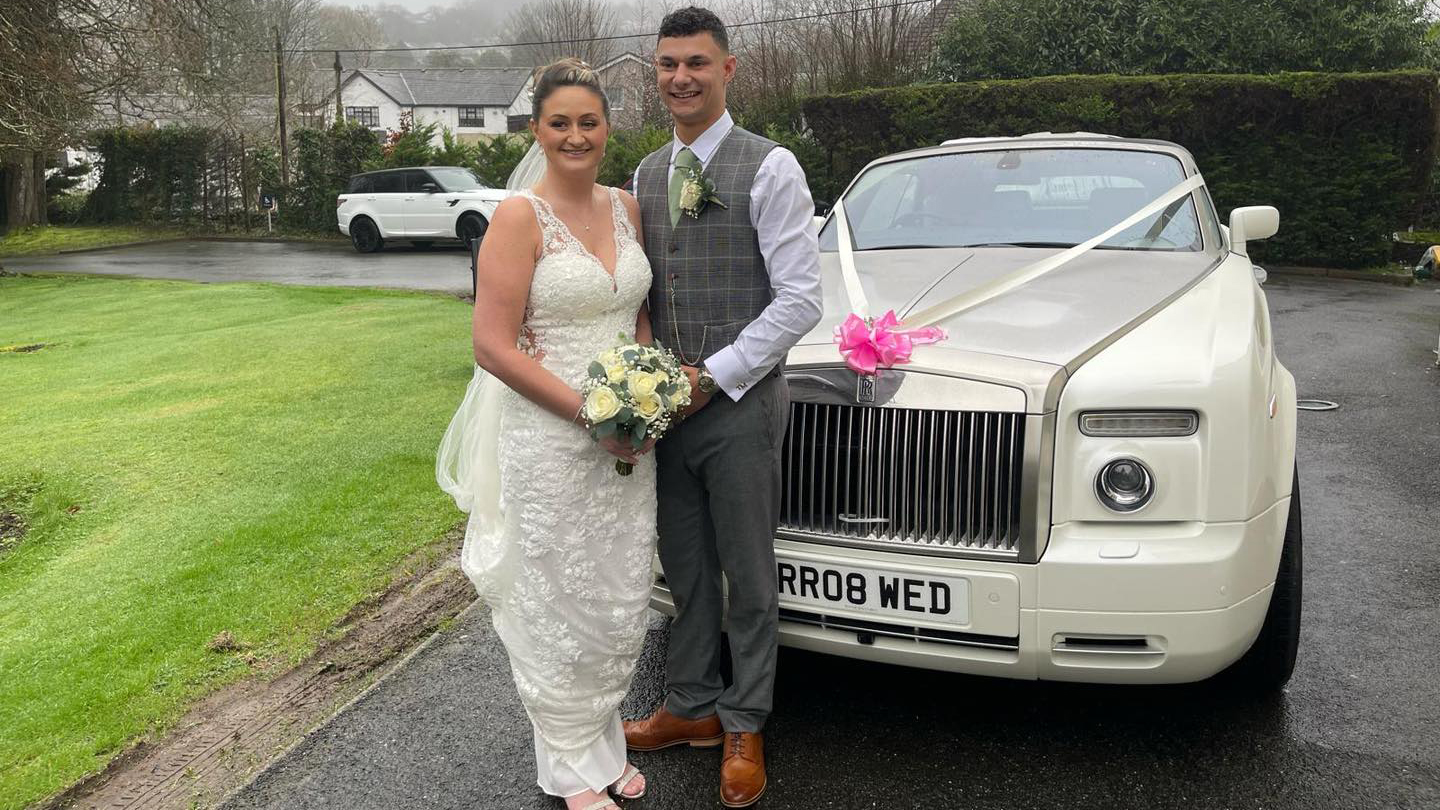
[[685, 160]]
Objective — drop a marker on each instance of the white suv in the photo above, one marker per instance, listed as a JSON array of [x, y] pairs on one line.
[[419, 204]]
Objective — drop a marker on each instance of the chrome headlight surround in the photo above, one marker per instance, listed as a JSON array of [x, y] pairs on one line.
[[1139, 424], [1124, 485]]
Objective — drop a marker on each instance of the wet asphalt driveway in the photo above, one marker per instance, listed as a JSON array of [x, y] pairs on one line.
[[443, 267], [1359, 726]]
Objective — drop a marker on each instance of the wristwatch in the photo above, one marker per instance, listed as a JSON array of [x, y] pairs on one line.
[[706, 382]]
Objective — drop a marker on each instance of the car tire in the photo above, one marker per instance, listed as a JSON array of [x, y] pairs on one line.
[[424, 244], [1268, 664], [365, 235], [471, 226]]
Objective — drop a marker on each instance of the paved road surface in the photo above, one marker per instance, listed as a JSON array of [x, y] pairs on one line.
[[442, 268], [1356, 729]]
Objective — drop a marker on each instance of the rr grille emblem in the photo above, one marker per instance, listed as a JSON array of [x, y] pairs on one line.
[[864, 388]]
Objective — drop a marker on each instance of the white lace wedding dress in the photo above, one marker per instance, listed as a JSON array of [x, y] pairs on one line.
[[558, 544]]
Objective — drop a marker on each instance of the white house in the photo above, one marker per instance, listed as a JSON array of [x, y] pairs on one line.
[[468, 101]]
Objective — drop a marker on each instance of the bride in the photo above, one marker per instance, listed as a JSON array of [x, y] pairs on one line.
[[558, 545]]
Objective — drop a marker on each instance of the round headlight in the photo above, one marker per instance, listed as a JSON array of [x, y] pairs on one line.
[[1124, 485]]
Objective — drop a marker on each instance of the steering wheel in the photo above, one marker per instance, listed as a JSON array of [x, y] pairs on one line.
[[918, 218]]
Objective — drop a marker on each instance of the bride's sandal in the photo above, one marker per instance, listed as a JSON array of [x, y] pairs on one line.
[[626, 780], [603, 804]]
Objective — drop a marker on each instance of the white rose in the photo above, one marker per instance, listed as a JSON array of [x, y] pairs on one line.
[[615, 372], [601, 405], [648, 408], [690, 195], [642, 384]]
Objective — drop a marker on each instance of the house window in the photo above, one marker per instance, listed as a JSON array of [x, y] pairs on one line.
[[472, 116], [369, 116], [616, 96]]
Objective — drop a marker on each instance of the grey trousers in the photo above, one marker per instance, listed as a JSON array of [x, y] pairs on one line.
[[719, 504]]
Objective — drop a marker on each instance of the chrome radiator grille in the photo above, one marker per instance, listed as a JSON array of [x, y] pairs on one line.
[[940, 479]]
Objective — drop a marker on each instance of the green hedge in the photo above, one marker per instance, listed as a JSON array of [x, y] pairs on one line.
[[1347, 158], [148, 175]]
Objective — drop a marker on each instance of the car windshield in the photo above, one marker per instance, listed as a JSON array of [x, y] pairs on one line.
[[1021, 197], [454, 179]]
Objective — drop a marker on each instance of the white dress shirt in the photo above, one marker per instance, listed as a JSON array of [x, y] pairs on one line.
[[782, 212]]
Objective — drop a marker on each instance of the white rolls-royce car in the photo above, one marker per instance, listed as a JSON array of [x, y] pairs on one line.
[[420, 205], [1092, 476]]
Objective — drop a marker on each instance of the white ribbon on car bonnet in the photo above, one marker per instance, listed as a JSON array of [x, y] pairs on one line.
[[970, 299]]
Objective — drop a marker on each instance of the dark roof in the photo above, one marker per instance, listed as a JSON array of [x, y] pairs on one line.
[[486, 87]]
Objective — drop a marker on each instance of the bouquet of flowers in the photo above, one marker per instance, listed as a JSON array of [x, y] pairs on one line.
[[632, 394]]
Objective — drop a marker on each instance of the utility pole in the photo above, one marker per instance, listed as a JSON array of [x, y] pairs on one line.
[[280, 101], [339, 106]]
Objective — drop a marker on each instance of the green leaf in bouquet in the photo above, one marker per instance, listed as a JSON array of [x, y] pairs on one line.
[[596, 370], [625, 416], [637, 441], [606, 429]]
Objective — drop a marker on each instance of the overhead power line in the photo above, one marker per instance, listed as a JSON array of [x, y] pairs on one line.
[[616, 37]]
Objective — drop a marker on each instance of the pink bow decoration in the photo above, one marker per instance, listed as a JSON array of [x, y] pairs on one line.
[[869, 347]]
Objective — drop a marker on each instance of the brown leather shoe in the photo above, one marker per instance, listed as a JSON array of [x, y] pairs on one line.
[[742, 770], [663, 729]]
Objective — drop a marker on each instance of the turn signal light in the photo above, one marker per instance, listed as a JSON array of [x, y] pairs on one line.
[[1139, 423]]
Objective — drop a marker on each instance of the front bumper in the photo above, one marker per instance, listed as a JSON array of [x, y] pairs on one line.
[[1112, 602]]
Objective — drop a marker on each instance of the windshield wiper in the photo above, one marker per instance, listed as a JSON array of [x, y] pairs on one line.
[[1021, 244], [916, 246]]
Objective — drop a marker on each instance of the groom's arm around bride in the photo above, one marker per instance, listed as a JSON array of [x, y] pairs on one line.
[[727, 221]]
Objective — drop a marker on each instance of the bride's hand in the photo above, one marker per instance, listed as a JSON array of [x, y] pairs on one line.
[[621, 449]]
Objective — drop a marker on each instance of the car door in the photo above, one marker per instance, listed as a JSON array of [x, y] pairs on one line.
[[390, 203], [427, 213]]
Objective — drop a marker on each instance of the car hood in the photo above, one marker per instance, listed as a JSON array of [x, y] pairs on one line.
[[1056, 319]]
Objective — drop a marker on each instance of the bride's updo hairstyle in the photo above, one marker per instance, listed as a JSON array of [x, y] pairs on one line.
[[568, 72]]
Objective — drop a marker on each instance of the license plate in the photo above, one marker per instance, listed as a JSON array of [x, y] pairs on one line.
[[890, 594]]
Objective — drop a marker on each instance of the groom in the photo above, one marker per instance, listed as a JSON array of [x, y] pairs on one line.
[[727, 221]]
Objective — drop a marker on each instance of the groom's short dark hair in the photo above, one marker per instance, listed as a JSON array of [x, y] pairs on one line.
[[692, 20]]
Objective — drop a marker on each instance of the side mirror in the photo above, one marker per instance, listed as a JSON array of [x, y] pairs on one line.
[[822, 208], [1252, 222], [429, 188]]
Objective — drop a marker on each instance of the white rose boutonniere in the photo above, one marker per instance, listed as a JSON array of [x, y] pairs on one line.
[[697, 192]]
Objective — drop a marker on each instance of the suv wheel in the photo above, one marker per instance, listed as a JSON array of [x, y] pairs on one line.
[[365, 236], [471, 227], [1267, 666]]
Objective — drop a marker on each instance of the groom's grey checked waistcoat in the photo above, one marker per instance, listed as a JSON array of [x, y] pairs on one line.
[[710, 277]]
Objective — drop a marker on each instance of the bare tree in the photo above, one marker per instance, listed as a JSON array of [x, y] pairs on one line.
[[821, 46], [58, 60], [575, 24]]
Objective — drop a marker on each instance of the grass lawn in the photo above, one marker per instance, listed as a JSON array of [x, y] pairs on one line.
[[41, 239], [187, 459]]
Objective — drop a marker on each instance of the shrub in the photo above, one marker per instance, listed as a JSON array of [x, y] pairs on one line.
[[495, 159], [1345, 157], [149, 175], [625, 150], [324, 161]]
